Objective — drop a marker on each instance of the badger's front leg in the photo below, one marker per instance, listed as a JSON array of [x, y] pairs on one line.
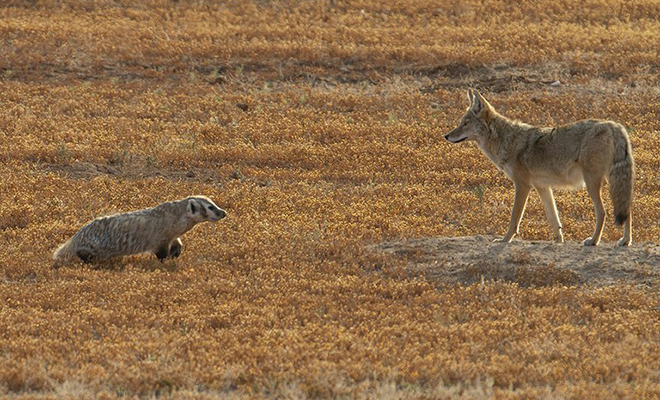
[[175, 248], [162, 252], [169, 250]]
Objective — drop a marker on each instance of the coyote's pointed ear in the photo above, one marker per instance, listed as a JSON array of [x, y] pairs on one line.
[[479, 103], [470, 97]]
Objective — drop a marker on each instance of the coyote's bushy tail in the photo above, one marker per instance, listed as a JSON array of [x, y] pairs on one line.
[[622, 177]]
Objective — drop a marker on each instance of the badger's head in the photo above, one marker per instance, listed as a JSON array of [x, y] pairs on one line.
[[474, 124], [200, 209]]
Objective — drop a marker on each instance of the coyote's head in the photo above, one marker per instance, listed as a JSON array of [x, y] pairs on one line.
[[474, 123]]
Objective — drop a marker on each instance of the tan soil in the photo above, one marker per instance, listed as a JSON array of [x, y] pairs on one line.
[[473, 259]]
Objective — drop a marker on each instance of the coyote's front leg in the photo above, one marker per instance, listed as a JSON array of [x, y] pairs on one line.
[[519, 202], [548, 201]]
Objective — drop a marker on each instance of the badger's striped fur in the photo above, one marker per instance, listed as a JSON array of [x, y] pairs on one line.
[[152, 230]]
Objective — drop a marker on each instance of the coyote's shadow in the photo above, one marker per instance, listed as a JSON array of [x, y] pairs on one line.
[[473, 259]]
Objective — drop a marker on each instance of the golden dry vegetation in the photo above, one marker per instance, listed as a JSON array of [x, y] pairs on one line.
[[318, 126]]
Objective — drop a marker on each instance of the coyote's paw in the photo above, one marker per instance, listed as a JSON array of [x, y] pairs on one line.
[[624, 242], [503, 240], [589, 242]]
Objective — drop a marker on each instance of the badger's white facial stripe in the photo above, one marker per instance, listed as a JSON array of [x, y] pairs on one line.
[[215, 213], [204, 209]]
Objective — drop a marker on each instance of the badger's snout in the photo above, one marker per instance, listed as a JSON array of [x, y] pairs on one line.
[[220, 213]]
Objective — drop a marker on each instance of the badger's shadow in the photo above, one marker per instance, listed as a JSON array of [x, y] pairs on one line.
[[145, 263], [140, 262]]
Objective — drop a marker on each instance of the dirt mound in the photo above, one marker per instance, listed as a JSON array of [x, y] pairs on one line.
[[473, 259]]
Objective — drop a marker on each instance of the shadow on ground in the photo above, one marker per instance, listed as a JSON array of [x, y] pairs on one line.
[[473, 259]]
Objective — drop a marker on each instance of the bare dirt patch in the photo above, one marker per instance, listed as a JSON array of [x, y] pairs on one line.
[[472, 259]]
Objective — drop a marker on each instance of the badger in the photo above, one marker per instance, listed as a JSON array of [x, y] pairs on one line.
[[152, 230]]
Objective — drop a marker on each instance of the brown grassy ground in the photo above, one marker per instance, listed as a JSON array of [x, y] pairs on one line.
[[318, 126]]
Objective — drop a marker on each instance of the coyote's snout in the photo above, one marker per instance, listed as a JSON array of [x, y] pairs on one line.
[[583, 153]]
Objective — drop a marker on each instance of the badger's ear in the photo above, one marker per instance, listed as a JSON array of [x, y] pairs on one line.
[[192, 207]]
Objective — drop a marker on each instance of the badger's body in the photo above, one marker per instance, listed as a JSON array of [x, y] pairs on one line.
[[153, 230]]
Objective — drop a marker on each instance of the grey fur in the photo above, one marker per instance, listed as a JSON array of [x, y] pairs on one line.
[[153, 230]]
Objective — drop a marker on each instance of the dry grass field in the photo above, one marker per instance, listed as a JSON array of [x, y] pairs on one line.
[[318, 125]]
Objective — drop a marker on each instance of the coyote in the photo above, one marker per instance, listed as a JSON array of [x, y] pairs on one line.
[[583, 153]]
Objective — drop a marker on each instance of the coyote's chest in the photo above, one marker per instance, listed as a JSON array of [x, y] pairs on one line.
[[497, 159]]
